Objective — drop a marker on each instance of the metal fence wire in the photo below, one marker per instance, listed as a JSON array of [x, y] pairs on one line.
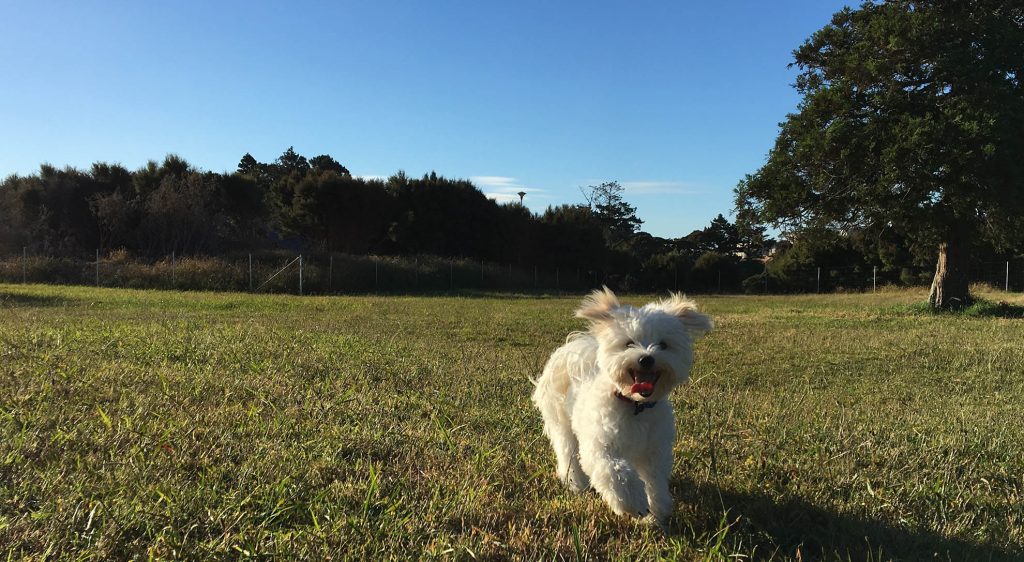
[[323, 273]]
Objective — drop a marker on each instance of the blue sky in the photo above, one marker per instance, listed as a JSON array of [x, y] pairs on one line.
[[674, 100]]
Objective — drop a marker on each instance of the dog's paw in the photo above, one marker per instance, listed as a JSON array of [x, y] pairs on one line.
[[660, 523], [578, 485], [638, 511], [576, 481]]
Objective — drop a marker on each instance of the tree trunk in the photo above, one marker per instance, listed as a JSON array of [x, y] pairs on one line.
[[950, 287]]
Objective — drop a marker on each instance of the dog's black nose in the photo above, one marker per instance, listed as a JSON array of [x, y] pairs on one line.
[[646, 361]]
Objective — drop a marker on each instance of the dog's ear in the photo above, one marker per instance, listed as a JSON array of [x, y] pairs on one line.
[[685, 310], [598, 306]]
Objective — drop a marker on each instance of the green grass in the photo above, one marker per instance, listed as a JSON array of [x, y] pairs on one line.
[[167, 425]]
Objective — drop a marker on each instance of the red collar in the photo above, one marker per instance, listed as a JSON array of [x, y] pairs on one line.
[[637, 406]]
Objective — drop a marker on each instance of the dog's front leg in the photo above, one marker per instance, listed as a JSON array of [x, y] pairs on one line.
[[615, 480], [655, 471], [568, 465]]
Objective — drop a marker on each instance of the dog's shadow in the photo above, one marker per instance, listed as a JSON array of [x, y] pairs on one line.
[[782, 527], [14, 299]]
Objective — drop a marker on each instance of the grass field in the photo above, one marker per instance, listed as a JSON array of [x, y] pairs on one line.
[[141, 425]]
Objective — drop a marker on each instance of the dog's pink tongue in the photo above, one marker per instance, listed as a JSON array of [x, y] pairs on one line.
[[642, 388]]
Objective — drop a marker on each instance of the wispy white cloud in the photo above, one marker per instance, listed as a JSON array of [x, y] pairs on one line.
[[662, 188], [502, 189], [502, 197], [372, 177], [494, 181]]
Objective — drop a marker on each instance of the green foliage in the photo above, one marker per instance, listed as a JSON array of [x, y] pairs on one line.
[[291, 163], [324, 163], [720, 236], [910, 117], [248, 165], [755, 284], [340, 212], [616, 215], [317, 206], [313, 205], [446, 217], [574, 233], [712, 270], [910, 120], [812, 249]]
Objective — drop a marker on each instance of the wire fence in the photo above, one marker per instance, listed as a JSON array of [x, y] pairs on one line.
[[1007, 275], [319, 274], [305, 274]]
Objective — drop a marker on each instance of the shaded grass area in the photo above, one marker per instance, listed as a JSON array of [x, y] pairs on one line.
[[981, 307], [11, 299], [223, 426]]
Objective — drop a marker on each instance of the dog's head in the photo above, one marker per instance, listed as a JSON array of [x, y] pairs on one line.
[[645, 351]]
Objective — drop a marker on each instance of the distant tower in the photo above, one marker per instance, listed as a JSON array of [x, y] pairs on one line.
[[521, 194]]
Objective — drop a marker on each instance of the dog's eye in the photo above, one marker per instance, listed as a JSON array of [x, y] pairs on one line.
[[663, 345]]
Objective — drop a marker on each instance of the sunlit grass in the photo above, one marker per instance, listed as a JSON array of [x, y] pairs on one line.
[[138, 424]]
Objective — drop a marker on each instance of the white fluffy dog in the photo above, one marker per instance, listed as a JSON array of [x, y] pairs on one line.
[[603, 397]]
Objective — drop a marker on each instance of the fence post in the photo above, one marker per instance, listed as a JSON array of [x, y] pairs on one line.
[[719, 281], [376, 273], [766, 277], [174, 268], [97, 267], [819, 280], [556, 278], [24, 264], [874, 279], [451, 275], [300, 275], [330, 275], [1007, 276]]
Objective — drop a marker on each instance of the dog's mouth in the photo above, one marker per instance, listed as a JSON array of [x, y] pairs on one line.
[[643, 382]]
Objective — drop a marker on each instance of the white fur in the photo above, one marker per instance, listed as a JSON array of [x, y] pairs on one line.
[[599, 439]]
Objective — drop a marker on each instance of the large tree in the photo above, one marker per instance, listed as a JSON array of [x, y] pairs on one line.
[[911, 120], [610, 207]]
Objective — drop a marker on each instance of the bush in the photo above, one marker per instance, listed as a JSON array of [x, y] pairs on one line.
[[714, 271], [754, 284]]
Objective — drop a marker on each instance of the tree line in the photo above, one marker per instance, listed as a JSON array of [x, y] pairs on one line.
[[315, 204], [300, 204]]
